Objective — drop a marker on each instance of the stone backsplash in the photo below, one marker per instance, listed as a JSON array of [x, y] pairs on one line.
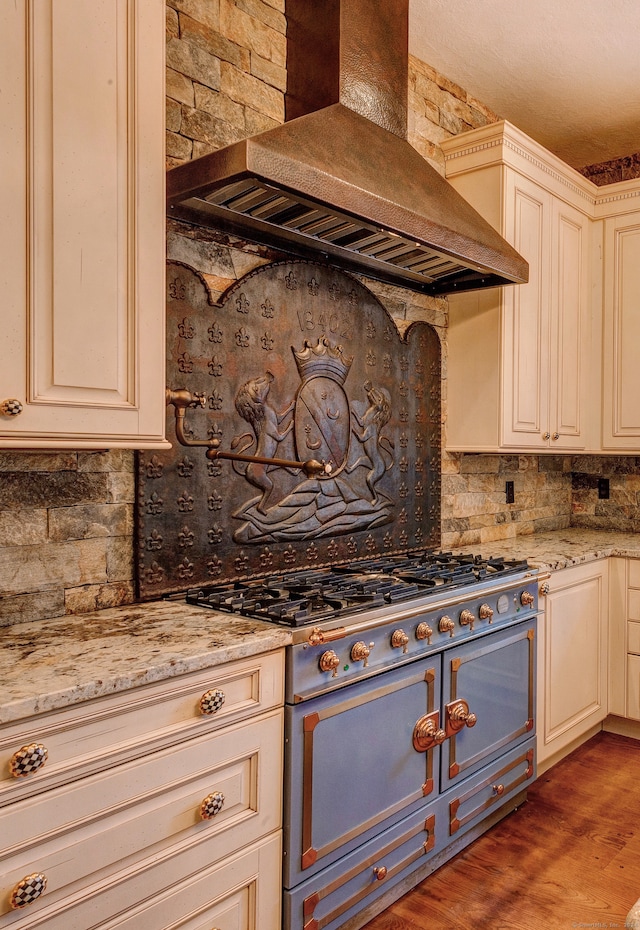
[[66, 518]]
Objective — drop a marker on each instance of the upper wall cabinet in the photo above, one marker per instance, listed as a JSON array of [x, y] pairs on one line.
[[520, 366], [621, 331], [82, 223]]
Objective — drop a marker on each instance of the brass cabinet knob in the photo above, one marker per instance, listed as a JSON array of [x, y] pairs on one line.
[[28, 890], [526, 598], [485, 612], [466, 618], [212, 805], [546, 436], [211, 701], [498, 790], [424, 631], [360, 653], [11, 407], [380, 872], [329, 662], [399, 640], [28, 759], [427, 733], [446, 625], [555, 436]]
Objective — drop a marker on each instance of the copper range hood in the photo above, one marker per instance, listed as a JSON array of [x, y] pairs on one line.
[[338, 180]]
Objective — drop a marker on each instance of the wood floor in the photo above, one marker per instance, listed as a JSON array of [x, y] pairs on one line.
[[568, 859]]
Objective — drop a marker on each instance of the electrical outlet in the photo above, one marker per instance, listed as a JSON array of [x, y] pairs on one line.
[[603, 488], [510, 492]]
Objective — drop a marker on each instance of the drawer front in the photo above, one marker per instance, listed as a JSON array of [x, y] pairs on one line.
[[490, 788], [329, 899], [85, 831], [634, 573], [633, 638], [192, 890], [96, 735], [633, 687]]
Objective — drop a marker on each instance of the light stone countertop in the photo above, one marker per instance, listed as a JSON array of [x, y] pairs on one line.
[[50, 664]]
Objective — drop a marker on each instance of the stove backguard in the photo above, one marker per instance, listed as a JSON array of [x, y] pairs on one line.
[[298, 361]]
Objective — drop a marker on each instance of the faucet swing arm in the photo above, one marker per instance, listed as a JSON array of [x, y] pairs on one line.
[[182, 399]]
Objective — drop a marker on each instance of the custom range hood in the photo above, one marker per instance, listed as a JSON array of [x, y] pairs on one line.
[[338, 180]]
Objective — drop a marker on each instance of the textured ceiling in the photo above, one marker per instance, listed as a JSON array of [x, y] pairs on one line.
[[566, 72]]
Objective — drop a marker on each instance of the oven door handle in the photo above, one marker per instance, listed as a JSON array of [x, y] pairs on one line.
[[427, 732]]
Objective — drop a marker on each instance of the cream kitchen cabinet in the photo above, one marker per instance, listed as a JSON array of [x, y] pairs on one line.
[[572, 659], [158, 807], [82, 223], [621, 331], [520, 365]]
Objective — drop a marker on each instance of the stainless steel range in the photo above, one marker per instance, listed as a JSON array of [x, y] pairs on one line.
[[409, 722]]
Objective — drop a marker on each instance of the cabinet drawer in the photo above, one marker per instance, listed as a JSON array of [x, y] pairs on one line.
[[633, 604], [633, 687], [634, 573], [99, 734], [491, 787], [332, 897], [633, 638], [192, 890], [88, 830]]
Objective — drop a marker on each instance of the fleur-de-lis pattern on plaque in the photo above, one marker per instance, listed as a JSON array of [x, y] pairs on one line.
[[324, 359]]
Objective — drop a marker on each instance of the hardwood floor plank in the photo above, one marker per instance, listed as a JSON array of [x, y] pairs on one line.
[[569, 858]]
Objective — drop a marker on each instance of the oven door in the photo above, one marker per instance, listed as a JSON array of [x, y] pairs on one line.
[[488, 699], [352, 768]]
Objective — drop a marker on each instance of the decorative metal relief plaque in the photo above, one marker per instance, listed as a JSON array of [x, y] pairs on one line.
[[299, 361]]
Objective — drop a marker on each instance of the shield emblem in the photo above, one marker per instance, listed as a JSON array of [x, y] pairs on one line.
[[322, 423]]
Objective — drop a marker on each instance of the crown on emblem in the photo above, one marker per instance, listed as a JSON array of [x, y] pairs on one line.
[[322, 360]]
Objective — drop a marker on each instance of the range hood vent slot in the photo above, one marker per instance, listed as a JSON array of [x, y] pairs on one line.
[[341, 182]]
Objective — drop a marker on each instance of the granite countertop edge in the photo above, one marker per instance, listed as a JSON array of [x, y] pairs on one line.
[[47, 665]]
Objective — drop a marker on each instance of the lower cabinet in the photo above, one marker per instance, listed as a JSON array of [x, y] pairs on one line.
[[156, 808], [572, 659], [624, 639]]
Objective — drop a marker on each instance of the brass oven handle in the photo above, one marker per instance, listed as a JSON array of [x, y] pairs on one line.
[[427, 733], [28, 759], [459, 716], [28, 890], [211, 701]]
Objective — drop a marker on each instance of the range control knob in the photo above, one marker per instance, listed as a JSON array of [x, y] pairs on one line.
[[424, 631], [329, 662], [399, 640], [466, 618], [527, 598], [360, 653], [446, 625], [485, 612]]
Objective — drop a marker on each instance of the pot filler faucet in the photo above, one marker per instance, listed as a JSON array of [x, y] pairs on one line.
[[182, 399]]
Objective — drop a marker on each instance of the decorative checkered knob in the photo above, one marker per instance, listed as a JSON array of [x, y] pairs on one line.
[[28, 759], [28, 890], [212, 701], [211, 805], [11, 407]]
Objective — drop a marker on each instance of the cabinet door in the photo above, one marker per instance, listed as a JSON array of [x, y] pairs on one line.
[[569, 327], [573, 666], [621, 388], [526, 347], [82, 223]]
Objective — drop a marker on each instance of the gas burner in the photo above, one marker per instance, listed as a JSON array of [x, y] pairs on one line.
[[310, 595]]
